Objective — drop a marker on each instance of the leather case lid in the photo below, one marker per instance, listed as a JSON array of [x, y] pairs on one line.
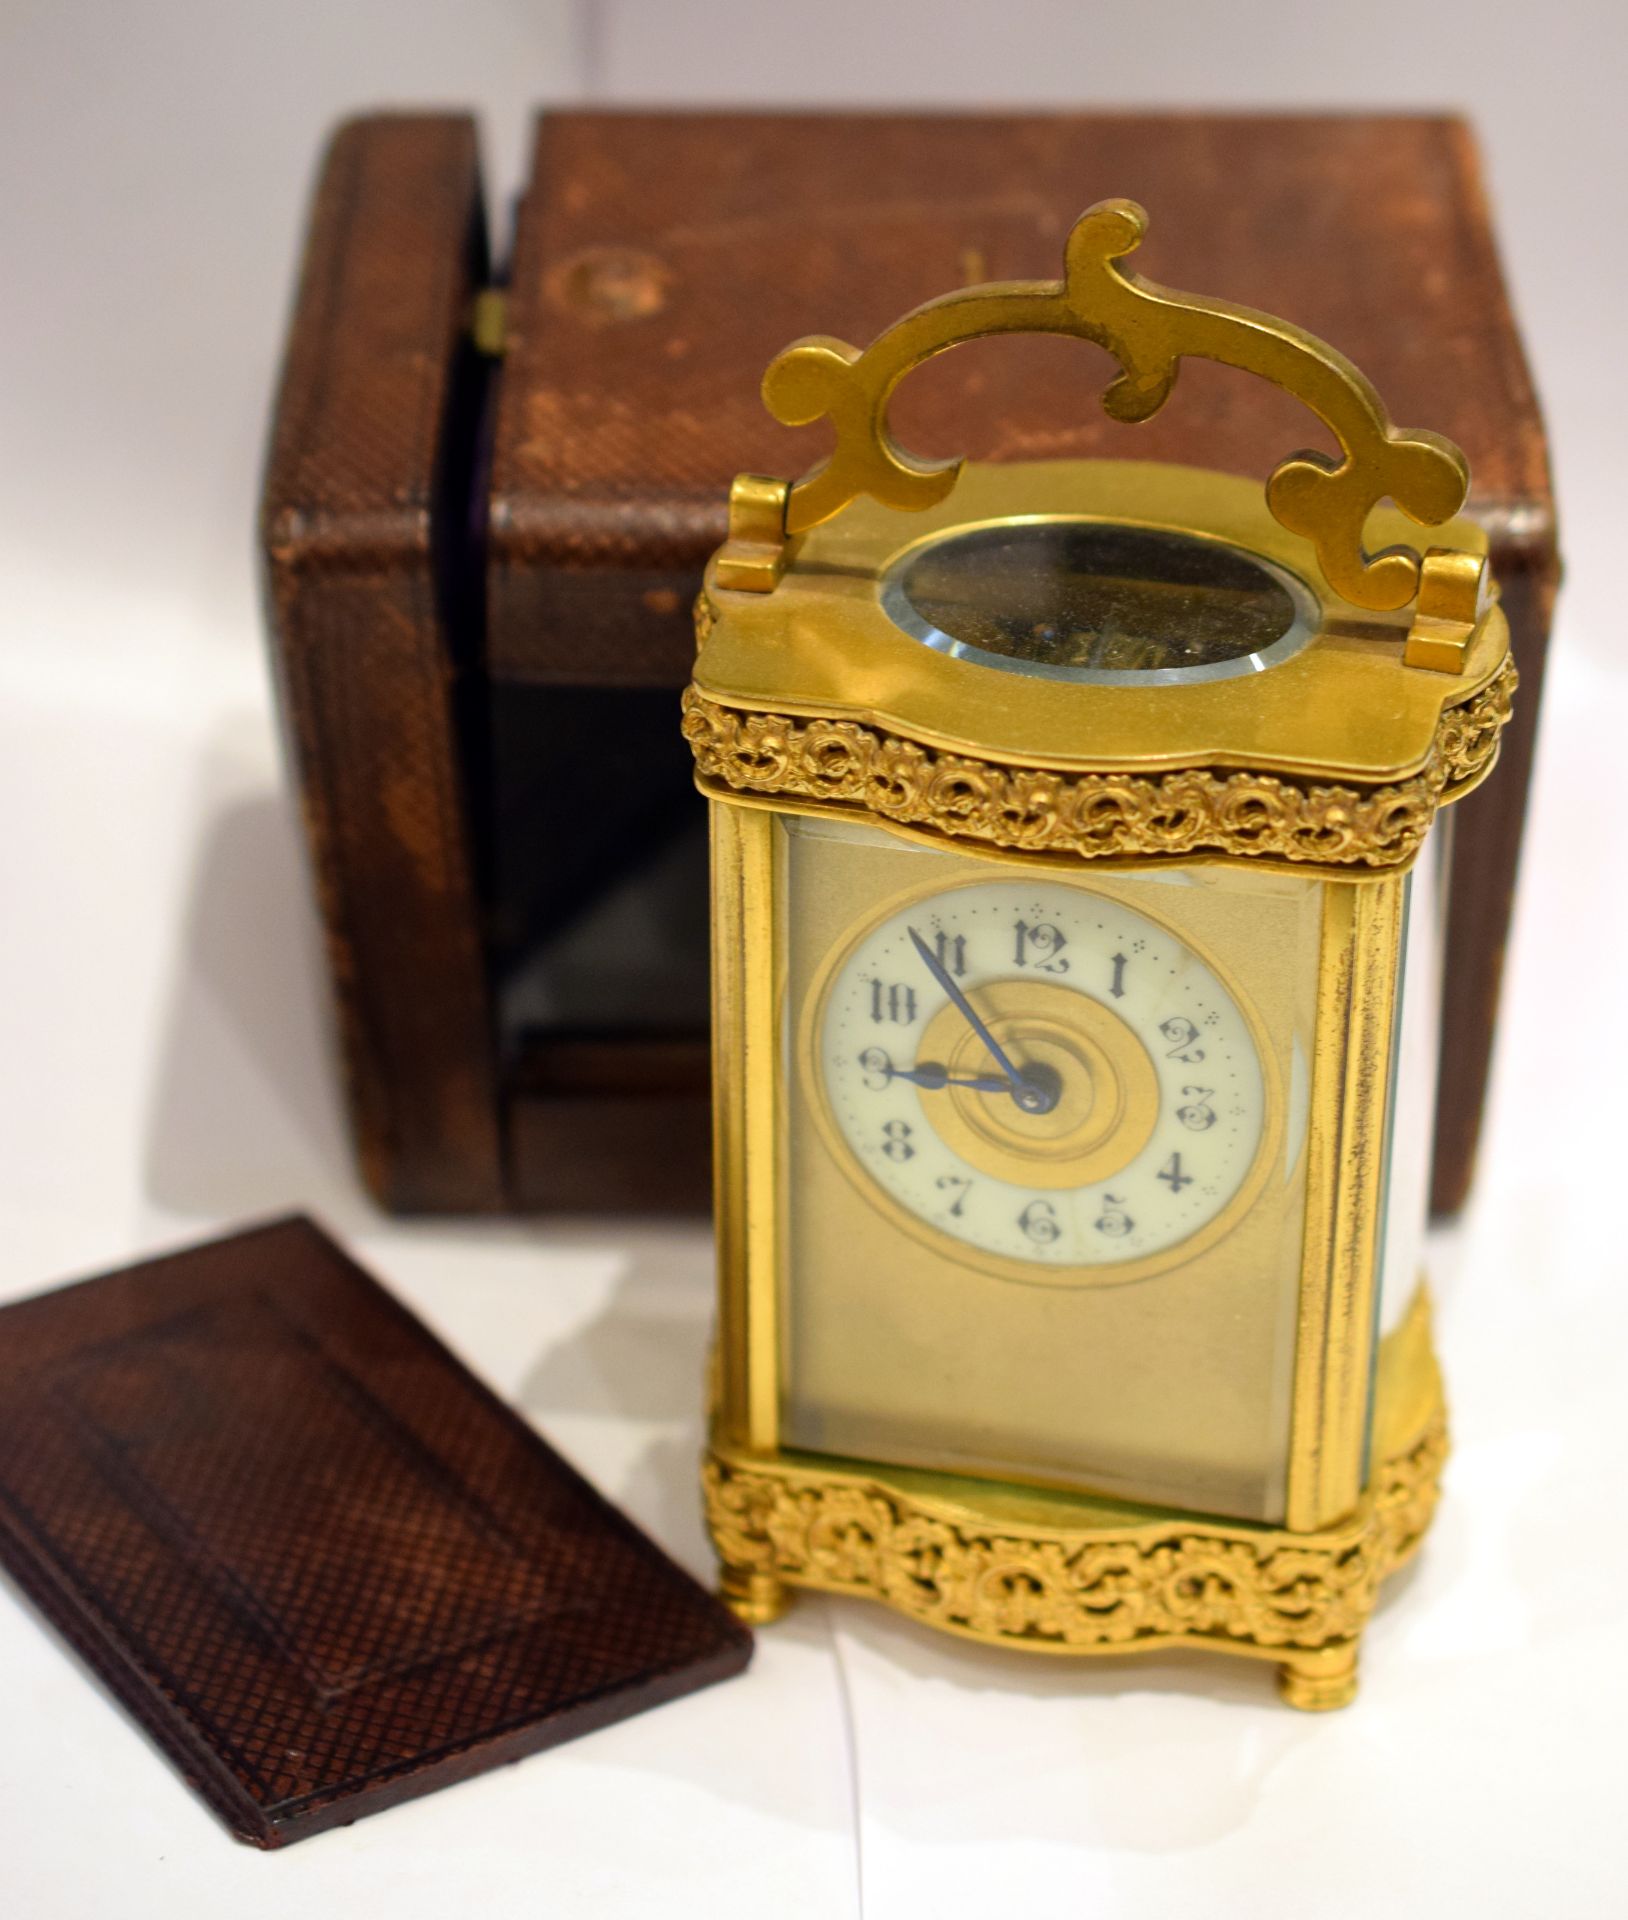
[[324, 1567]]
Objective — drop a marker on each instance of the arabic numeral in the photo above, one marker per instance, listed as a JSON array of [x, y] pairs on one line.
[[1197, 1113], [950, 950], [895, 1003], [1046, 942], [877, 1066], [1173, 1175], [1114, 1220], [947, 1183], [896, 1141], [1183, 1037], [1039, 1221]]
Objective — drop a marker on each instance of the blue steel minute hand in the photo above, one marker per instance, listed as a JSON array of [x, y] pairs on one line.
[[1030, 1098]]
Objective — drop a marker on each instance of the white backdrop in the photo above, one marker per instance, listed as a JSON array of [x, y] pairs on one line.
[[161, 1022]]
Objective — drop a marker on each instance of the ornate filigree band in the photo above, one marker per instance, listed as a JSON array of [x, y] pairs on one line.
[[1098, 1591], [1090, 816]]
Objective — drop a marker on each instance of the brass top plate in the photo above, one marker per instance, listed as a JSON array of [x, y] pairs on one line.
[[1342, 707]]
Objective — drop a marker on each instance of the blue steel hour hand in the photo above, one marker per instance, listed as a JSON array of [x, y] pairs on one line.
[[932, 1075], [1030, 1097]]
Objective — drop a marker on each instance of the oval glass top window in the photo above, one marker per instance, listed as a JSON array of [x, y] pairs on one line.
[[1086, 600]]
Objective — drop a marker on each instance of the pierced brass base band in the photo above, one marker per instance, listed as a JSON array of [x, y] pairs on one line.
[[967, 1560]]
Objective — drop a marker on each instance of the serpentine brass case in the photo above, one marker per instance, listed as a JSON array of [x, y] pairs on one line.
[[1332, 764]]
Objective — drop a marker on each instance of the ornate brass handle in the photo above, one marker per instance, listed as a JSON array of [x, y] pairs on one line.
[[1148, 329]]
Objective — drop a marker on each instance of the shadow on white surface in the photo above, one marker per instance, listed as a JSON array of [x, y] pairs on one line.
[[246, 1115], [643, 1358], [964, 1747], [634, 1377]]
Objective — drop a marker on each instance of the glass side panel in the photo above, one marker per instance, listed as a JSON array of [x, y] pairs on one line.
[[1047, 1145], [1413, 1094], [1089, 601]]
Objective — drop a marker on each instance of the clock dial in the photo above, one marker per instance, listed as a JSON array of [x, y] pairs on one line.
[[1042, 1074]]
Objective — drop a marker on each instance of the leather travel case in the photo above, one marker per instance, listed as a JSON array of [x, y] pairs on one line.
[[321, 1564], [482, 633]]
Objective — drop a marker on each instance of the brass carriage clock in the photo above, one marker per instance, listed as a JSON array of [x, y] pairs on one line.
[[1075, 914]]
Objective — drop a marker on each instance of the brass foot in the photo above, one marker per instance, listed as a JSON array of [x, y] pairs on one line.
[[757, 1598], [1321, 1680]]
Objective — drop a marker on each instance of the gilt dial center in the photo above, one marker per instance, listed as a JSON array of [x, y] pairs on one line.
[[1094, 1091]]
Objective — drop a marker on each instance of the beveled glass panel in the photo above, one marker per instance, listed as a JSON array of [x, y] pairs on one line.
[[1087, 600]]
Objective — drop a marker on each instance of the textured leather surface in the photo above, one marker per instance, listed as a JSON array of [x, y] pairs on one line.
[[375, 695], [324, 1567]]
